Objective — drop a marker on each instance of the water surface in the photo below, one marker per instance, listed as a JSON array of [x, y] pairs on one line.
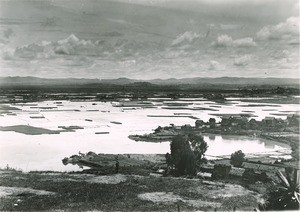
[[44, 152]]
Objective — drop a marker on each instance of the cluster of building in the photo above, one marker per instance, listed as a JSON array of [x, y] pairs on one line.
[[231, 122]]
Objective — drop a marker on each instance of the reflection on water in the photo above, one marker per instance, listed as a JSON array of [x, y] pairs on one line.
[[269, 145], [226, 145], [44, 152]]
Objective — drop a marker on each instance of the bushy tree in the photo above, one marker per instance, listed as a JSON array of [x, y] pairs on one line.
[[182, 156], [199, 147], [187, 152], [212, 122], [237, 158]]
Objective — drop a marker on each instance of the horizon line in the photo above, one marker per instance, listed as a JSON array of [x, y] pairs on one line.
[[171, 78]]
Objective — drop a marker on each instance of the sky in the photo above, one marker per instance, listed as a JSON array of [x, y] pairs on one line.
[[149, 39]]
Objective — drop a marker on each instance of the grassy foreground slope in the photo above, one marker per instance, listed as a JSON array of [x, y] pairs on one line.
[[118, 192]]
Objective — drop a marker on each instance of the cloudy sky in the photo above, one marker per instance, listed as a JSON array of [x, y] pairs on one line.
[[146, 39]]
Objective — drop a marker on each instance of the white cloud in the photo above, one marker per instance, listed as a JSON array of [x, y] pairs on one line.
[[285, 63], [69, 46], [215, 65], [280, 54], [127, 63], [244, 42], [7, 54], [284, 30], [242, 61], [123, 22], [174, 54], [229, 26], [7, 33], [29, 51], [223, 41], [185, 38], [72, 45], [294, 41], [227, 41]]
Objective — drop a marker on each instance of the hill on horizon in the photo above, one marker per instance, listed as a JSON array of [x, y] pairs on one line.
[[12, 81]]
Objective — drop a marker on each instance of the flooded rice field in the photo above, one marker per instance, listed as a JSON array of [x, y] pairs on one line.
[[39, 134]]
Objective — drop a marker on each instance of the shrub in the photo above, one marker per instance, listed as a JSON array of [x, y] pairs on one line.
[[237, 158]]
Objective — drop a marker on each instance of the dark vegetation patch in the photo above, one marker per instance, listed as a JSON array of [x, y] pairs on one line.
[[29, 130]]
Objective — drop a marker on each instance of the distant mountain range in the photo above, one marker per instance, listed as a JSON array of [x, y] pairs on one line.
[[229, 81], [234, 81]]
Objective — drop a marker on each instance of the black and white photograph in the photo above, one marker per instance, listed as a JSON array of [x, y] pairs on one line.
[[149, 105]]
